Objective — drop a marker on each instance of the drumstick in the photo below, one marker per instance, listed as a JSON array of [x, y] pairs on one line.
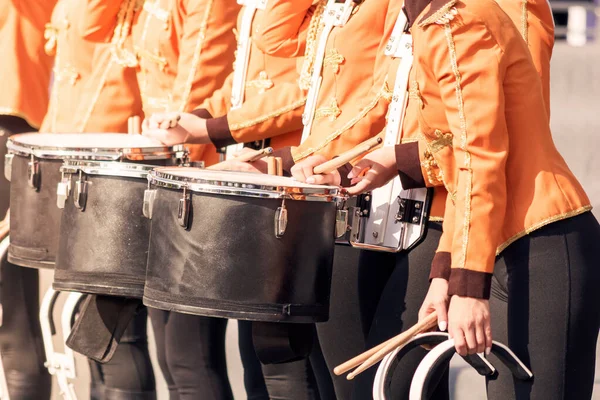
[[137, 124], [279, 162], [130, 125], [346, 157], [376, 354], [255, 155], [271, 166]]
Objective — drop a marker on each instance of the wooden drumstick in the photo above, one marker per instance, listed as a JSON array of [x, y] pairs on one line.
[[271, 166], [130, 125], [279, 162], [348, 156], [255, 155], [137, 125], [373, 356]]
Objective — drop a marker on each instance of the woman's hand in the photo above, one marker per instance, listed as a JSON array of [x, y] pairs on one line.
[[303, 171], [259, 167], [374, 170], [436, 301], [175, 128], [469, 325]]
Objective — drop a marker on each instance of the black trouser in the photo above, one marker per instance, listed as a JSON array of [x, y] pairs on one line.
[[128, 375], [21, 344], [191, 355], [398, 309], [545, 305], [306, 379]]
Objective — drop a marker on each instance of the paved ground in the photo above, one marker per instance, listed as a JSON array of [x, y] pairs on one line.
[[576, 127]]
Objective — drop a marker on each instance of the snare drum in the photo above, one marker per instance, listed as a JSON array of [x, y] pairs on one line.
[[240, 245], [33, 165]]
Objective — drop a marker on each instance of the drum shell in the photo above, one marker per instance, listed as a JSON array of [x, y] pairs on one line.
[[34, 216], [103, 249], [229, 263]]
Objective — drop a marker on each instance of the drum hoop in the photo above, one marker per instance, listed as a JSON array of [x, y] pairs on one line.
[[104, 154], [107, 168], [168, 181]]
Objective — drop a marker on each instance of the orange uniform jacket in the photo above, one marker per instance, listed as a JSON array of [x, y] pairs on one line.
[[94, 87], [185, 50], [274, 95], [25, 69], [485, 124]]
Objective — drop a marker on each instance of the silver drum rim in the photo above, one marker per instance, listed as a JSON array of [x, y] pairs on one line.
[[107, 168]]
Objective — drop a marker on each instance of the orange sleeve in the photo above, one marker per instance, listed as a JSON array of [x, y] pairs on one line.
[[97, 18], [442, 261], [467, 63], [206, 50], [273, 113], [284, 27], [219, 103]]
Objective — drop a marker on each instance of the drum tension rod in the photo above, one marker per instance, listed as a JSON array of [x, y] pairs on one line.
[[33, 172], [149, 197], [281, 220], [80, 192], [183, 213], [63, 190], [8, 159]]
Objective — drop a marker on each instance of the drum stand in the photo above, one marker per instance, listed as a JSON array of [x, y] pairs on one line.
[[440, 355], [4, 395], [61, 365]]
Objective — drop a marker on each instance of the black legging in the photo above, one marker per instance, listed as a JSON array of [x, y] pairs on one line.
[[21, 344], [306, 379], [545, 305], [128, 375], [191, 354]]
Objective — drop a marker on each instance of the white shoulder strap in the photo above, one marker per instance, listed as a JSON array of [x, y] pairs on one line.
[[337, 13]]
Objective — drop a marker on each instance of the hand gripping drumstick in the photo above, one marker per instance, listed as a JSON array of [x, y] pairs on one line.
[[348, 156], [373, 356], [255, 155]]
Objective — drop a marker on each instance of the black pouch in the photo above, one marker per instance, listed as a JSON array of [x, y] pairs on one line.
[[101, 324], [277, 343]]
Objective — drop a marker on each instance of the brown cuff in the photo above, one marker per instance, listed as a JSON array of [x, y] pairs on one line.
[[441, 265], [218, 131], [467, 283], [285, 153], [344, 170], [202, 113], [409, 165]]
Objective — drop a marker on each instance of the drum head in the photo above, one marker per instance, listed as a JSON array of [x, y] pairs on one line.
[[227, 182], [109, 146]]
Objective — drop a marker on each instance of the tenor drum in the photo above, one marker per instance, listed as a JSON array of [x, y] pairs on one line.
[[240, 245], [33, 165]]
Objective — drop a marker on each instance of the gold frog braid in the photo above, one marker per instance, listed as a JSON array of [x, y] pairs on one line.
[[314, 29]]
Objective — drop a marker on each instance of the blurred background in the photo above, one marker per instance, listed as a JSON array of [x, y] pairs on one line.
[[575, 78]]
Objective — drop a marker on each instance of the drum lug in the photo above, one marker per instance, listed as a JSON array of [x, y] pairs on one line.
[[33, 172], [281, 220], [183, 213], [8, 158], [63, 191], [149, 196], [341, 223], [356, 225], [80, 192]]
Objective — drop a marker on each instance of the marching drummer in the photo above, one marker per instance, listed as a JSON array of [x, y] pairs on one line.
[[25, 75], [260, 103], [95, 90], [185, 51]]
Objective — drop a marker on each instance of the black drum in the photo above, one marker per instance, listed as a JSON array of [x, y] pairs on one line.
[[104, 235], [33, 164], [240, 245]]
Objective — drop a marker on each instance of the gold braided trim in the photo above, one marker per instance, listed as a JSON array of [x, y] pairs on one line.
[[443, 140], [436, 219], [16, 113], [333, 59], [524, 24], [409, 140], [153, 57], [263, 118], [66, 74], [344, 128], [332, 111], [386, 92], [125, 16], [446, 11], [414, 92], [262, 83], [463, 144], [429, 163], [541, 224], [197, 53], [156, 11], [314, 29]]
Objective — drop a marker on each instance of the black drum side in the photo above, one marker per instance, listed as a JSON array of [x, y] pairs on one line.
[[229, 263], [34, 216], [103, 249]]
